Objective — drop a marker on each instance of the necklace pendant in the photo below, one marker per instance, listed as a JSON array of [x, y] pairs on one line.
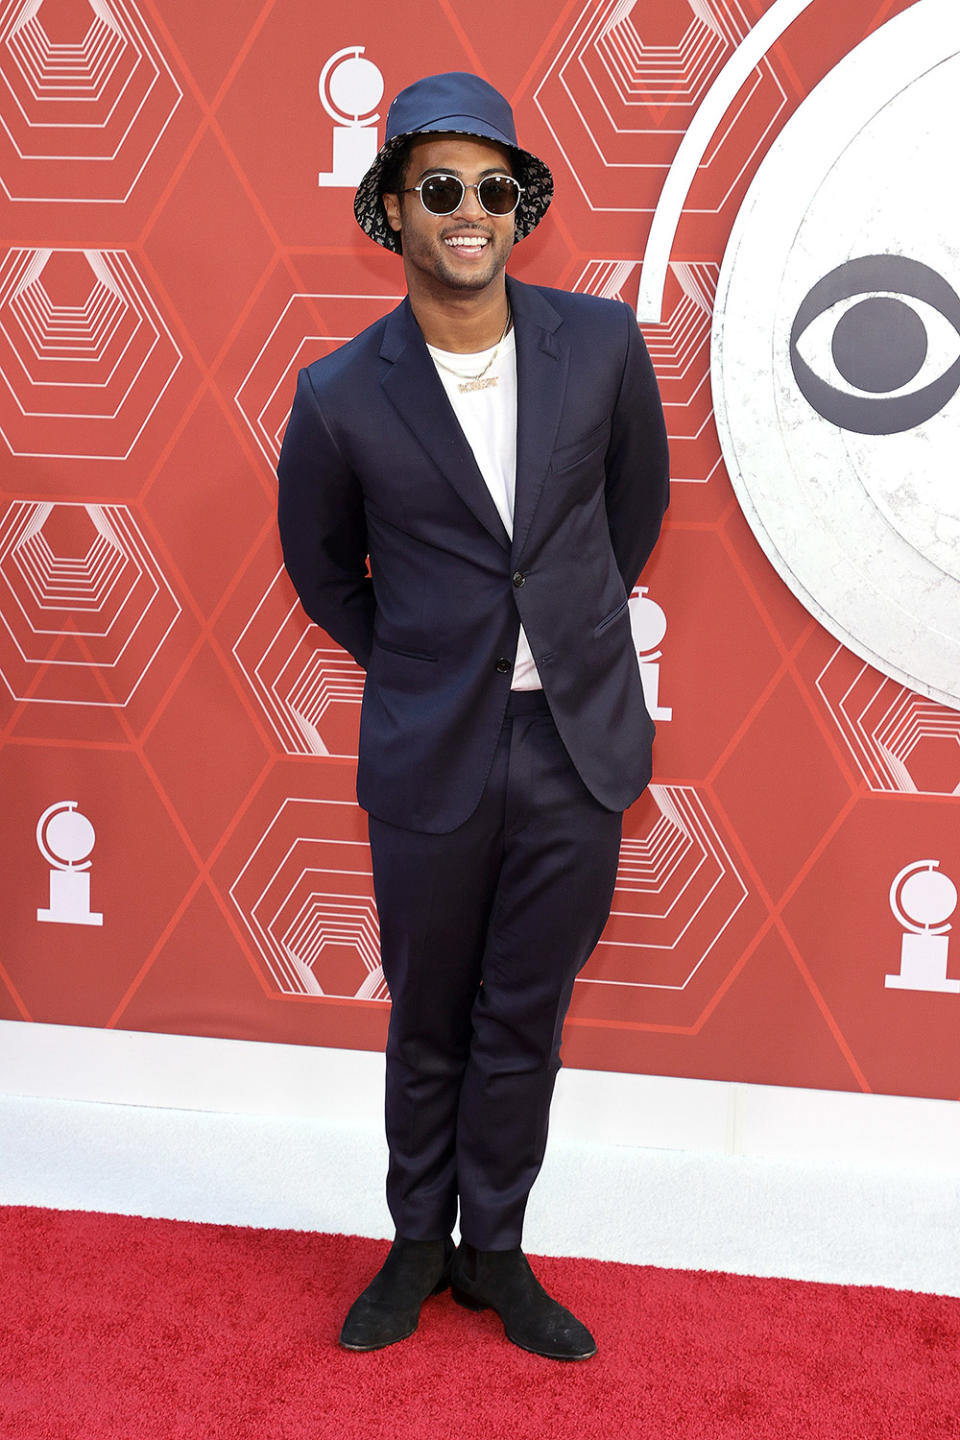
[[480, 382]]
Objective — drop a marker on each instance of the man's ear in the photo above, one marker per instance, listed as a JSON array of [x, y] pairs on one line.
[[391, 205]]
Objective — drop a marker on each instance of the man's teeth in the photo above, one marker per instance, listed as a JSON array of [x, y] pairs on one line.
[[467, 242]]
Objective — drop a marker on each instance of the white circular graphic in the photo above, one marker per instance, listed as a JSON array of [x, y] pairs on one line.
[[647, 622], [64, 836], [836, 352], [356, 86], [70, 836], [928, 897]]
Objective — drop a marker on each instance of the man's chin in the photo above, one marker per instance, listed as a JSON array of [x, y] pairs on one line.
[[467, 275], [470, 282]]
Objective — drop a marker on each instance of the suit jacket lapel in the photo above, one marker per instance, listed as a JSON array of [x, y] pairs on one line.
[[542, 361], [413, 387]]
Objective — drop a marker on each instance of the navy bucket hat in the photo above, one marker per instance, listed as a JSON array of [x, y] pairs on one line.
[[460, 104]]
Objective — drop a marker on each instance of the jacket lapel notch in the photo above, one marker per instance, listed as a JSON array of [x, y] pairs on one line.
[[414, 388]]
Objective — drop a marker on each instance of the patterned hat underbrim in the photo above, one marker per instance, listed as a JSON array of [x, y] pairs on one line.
[[533, 175]]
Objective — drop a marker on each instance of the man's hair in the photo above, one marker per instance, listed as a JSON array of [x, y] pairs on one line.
[[393, 177], [394, 172]]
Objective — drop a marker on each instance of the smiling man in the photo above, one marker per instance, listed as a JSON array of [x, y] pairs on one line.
[[468, 492]]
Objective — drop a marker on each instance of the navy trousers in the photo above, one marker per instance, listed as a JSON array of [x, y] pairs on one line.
[[482, 934]]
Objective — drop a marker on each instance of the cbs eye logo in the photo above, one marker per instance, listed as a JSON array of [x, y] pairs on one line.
[[868, 330], [835, 354]]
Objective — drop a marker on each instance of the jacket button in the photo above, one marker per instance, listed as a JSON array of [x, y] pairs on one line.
[[504, 665], [519, 578]]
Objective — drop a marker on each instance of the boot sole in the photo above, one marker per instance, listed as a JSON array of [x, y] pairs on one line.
[[438, 1289], [380, 1345], [469, 1303]]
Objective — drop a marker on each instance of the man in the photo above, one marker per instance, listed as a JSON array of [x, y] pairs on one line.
[[498, 452]]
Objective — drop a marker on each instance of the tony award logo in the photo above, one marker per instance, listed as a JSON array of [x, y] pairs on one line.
[[350, 90], [649, 625], [922, 898], [65, 838]]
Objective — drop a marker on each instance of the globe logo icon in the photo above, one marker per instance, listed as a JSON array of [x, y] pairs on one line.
[[351, 88], [65, 839]]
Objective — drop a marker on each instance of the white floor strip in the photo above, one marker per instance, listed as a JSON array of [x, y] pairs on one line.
[[343, 1089], [694, 1210]]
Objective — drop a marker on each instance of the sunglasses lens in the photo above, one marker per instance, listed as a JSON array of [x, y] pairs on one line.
[[441, 194], [499, 194]]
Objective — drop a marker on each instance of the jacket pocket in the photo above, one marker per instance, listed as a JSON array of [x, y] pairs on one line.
[[405, 652], [610, 619], [583, 449]]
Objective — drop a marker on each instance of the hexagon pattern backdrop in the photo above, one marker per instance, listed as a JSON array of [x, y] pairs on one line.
[[182, 850]]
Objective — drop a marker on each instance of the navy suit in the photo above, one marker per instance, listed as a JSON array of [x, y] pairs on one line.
[[375, 464]]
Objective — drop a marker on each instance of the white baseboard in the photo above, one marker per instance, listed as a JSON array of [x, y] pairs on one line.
[[345, 1088], [650, 1170]]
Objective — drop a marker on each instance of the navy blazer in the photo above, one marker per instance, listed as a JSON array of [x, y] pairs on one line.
[[374, 464]]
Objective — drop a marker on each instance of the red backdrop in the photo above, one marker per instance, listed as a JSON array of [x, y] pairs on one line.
[[173, 254]]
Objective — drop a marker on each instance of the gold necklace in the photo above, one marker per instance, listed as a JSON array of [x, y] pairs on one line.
[[480, 381]]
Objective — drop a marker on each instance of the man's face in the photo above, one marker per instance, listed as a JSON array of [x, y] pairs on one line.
[[468, 249]]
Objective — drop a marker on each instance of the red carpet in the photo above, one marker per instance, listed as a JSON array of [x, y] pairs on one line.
[[117, 1328]]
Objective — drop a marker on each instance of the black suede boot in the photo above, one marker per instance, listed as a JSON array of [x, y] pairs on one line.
[[389, 1309], [502, 1280]]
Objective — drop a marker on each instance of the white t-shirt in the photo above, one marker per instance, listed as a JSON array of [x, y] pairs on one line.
[[488, 419]]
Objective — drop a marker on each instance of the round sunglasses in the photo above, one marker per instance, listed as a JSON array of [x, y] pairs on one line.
[[444, 194]]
